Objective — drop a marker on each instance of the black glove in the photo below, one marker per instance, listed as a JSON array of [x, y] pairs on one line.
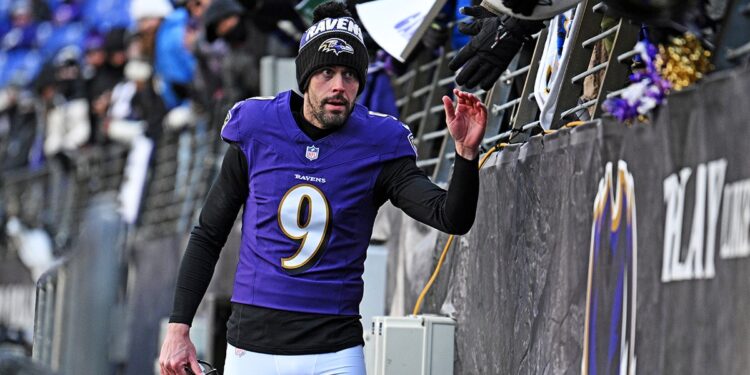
[[477, 11], [435, 36], [489, 52], [524, 7]]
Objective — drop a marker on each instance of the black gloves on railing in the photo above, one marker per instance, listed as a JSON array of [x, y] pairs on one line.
[[493, 45]]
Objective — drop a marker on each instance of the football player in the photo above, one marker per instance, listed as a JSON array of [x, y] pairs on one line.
[[311, 172]]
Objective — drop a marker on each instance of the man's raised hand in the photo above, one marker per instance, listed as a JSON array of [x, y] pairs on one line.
[[466, 121]]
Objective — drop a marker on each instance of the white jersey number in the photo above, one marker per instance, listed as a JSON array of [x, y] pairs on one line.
[[304, 215]]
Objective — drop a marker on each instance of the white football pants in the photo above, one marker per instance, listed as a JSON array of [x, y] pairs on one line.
[[349, 361]]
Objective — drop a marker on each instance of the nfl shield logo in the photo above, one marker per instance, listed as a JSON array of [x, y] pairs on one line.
[[311, 153]]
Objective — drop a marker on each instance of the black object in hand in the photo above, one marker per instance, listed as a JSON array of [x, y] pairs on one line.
[[188, 370], [524, 7], [206, 369]]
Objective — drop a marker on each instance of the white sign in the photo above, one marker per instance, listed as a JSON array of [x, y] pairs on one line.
[[697, 260], [735, 221], [398, 25], [136, 170]]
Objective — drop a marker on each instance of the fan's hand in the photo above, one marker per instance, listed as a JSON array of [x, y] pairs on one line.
[[493, 45]]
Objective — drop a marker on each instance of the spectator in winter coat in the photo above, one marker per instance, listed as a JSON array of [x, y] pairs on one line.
[[68, 125], [17, 127], [225, 20], [149, 15], [136, 109], [174, 63]]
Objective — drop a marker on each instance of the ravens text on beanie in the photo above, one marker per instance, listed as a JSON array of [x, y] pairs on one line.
[[333, 39]]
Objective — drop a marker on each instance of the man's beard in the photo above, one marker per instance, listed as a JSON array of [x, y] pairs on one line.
[[329, 120]]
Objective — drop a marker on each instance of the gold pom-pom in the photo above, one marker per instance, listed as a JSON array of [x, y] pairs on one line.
[[684, 61]]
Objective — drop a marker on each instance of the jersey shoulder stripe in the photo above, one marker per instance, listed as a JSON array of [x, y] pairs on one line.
[[378, 114], [392, 134], [229, 115]]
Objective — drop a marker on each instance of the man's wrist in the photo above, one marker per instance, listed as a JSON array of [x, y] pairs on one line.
[[178, 329], [468, 153]]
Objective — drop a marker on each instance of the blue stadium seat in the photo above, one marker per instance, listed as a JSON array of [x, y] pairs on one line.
[[4, 18], [103, 15], [19, 67], [53, 38]]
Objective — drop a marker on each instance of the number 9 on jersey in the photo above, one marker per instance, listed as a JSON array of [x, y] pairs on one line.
[[304, 215]]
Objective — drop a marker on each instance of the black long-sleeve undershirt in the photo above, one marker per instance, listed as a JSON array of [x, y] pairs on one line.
[[400, 180], [409, 188]]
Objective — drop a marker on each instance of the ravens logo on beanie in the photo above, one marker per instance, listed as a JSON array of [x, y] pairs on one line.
[[333, 39]]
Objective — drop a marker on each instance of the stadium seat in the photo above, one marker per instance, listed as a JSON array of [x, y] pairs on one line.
[[19, 67], [53, 38], [103, 15]]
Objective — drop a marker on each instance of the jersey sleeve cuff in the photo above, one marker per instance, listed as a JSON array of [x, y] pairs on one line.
[[180, 319], [460, 160]]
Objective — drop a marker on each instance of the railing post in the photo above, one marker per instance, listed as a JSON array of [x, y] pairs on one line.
[[616, 75], [527, 108]]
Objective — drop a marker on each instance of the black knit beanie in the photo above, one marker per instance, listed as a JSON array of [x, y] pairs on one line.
[[333, 39], [217, 11]]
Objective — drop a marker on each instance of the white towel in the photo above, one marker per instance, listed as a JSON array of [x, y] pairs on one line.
[[548, 79]]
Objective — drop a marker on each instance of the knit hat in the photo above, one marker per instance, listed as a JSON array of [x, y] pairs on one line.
[[333, 39], [115, 40], [140, 9], [217, 11]]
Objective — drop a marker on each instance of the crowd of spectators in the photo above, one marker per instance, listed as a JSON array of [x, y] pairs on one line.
[[77, 73], [81, 75]]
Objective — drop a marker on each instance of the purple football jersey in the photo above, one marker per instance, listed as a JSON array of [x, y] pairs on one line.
[[308, 218]]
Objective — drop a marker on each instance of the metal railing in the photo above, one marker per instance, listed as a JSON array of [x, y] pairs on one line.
[[733, 46], [514, 114], [57, 198], [77, 299], [48, 318], [182, 168], [55, 195]]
